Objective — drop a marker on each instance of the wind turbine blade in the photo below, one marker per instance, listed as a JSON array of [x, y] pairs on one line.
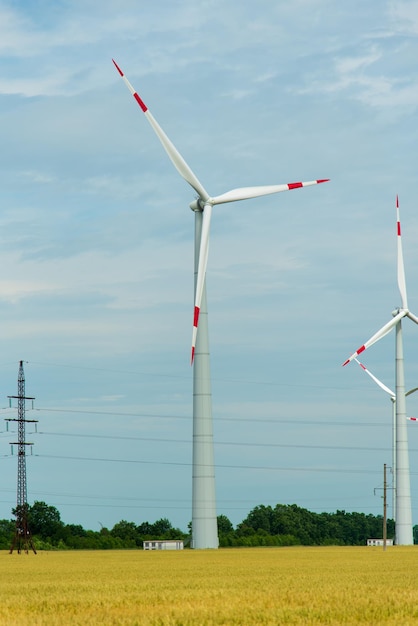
[[245, 193], [176, 158], [376, 380], [201, 270], [412, 317], [380, 333], [412, 419], [401, 269]]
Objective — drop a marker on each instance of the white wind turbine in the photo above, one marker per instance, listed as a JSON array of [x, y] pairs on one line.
[[403, 513], [412, 419], [204, 520]]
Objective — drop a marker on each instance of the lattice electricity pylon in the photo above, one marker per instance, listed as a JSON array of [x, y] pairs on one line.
[[22, 539]]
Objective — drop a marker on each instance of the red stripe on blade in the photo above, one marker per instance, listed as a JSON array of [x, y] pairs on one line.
[[360, 350], [196, 316], [117, 67], [141, 104], [294, 185]]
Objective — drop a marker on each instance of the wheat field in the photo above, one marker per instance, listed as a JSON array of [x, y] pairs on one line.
[[248, 587]]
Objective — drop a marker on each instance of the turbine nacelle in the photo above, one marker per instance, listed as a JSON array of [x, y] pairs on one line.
[[197, 205]]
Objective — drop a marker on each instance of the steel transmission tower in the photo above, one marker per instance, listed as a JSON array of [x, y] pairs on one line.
[[22, 538]]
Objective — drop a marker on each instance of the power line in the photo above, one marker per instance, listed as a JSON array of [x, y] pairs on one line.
[[220, 443], [185, 377], [186, 508], [221, 466], [159, 500], [218, 465], [256, 419]]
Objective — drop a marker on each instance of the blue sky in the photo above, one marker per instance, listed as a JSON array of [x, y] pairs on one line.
[[96, 286]]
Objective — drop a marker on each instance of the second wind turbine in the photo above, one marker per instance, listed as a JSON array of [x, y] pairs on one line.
[[403, 529], [204, 519]]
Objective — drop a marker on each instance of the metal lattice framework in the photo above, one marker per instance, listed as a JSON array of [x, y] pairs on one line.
[[22, 539]]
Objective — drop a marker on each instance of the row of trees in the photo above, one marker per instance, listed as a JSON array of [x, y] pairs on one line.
[[50, 532], [263, 526], [291, 525]]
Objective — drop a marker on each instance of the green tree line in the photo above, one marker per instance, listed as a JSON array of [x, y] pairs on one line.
[[281, 525]]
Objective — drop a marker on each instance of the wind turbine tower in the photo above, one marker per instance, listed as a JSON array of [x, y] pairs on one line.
[[204, 518]]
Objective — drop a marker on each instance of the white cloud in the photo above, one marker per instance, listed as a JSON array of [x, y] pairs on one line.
[[353, 65], [15, 291], [403, 16], [365, 78]]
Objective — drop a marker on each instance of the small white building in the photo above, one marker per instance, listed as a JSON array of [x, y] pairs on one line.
[[379, 542], [164, 544]]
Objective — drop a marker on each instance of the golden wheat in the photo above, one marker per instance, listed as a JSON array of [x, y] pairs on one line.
[[245, 587]]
